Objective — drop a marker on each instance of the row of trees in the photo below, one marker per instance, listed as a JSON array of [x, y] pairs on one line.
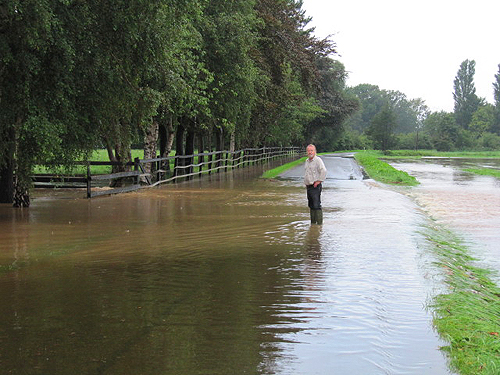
[[78, 75], [387, 119]]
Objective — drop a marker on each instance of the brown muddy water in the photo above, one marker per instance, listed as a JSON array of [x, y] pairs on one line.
[[220, 276]]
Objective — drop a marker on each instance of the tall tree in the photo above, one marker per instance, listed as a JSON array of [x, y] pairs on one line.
[[443, 130], [229, 37], [286, 56], [496, 95], [409, 113], [36, 108], [371, 99], [464, 95], [381, 130], [335, 102]]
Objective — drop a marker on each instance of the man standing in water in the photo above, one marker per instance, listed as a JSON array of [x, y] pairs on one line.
[[315, 174]]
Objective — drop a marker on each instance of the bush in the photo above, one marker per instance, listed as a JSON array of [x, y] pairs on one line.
[[489, 141], [409, 141], [353, 140]]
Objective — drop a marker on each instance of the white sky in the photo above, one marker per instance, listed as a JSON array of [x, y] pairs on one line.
[[414, 47]]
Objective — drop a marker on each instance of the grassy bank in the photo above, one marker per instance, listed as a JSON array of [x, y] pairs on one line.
[[484, 171], [272, 173], [467, 315], [381, 171]]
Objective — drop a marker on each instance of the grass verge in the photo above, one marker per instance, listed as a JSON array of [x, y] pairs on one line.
[[484, 171], [381, 171], [272, 173], [467, 315], [443, 154]]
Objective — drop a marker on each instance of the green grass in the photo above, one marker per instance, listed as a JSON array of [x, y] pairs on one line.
[[430, 153], [484, 171], [467, 315], [381, 171], [97, 155], [272, 173]]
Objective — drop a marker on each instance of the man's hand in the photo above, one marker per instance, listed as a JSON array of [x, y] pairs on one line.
[[316, 183]]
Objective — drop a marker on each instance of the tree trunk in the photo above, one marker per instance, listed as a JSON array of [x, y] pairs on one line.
[[22, 178], [150, 140], [21, 193], [118, 153], [190, 150], [166, 135], [162, 139], [232, 147], [6, 183], [7, 171], [232, 142]]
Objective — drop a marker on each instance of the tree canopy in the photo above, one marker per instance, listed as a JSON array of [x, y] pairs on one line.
[[75, 76]]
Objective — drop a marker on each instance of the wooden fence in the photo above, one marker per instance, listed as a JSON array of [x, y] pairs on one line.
[[152, 172]]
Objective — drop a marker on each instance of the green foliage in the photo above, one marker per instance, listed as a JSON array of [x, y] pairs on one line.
[[326, 128], [286, 56], [488, 141], [228, 30], [413, 141], [372, 99], [352, 140], [483, 120], [443, 130], [410, 114], [90, 74], [381, 130]]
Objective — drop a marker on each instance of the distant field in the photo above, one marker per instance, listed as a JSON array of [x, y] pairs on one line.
[[97, 155]]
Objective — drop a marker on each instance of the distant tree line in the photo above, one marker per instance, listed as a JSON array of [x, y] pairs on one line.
[[388, 120], [160, 74]]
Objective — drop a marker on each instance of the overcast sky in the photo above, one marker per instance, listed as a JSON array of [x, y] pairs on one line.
[[415, 47]]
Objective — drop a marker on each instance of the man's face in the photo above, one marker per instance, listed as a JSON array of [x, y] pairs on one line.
[[311, 151]]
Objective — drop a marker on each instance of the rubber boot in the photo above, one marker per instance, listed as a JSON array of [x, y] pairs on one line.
[[313, 216], [319, 216]]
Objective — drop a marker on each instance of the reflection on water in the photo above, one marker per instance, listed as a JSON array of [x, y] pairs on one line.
[[221, 277]]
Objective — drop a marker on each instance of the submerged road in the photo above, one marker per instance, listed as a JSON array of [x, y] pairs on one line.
[[373, 281]]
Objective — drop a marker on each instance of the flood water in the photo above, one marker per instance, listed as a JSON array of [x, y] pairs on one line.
[[463, 201], [220, 276]]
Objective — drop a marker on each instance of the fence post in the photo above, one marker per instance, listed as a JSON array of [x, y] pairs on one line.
[[201, 160], [136, 168], [89, 184], [209, 162]]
